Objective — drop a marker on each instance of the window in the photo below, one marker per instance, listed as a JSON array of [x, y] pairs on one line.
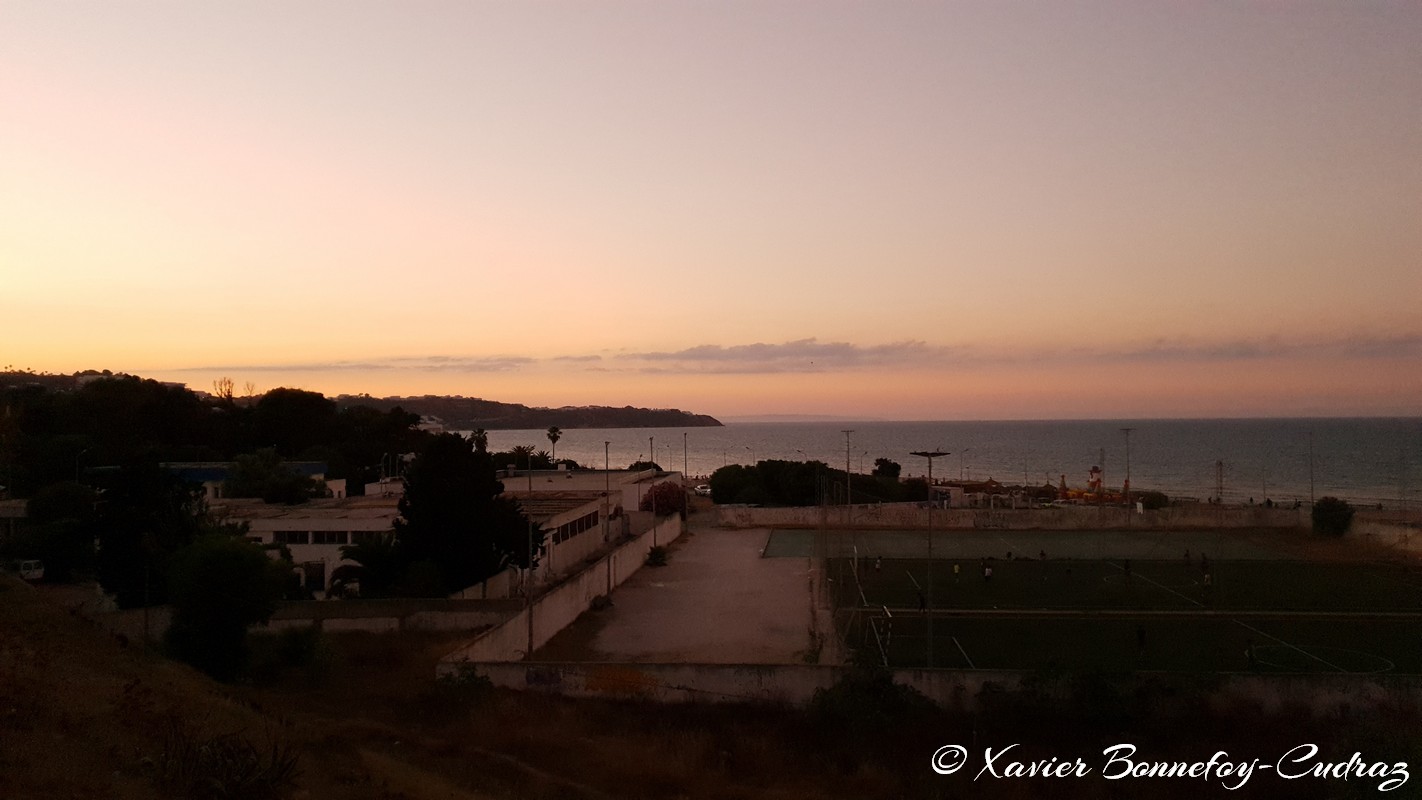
[[329, 537], [363, 537], [291, 537]]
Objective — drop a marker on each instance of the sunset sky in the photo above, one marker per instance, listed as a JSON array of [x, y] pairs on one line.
[[898, 210]]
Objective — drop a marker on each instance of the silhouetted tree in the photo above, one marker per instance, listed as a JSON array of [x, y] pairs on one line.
[[554, 434], [145, 515], [454, 515], [219, 585], [291, 420], [884, 468], [262, 474], [1332, 516]]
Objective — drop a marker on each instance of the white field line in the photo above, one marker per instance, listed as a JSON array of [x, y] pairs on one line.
[[1187, 598], [964, 652], [1292, 647]]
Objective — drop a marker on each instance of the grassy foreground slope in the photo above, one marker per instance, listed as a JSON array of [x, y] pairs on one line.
[[83, 714]]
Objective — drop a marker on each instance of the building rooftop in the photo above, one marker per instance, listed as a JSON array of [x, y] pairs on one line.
[[344, 508], [543, 506]]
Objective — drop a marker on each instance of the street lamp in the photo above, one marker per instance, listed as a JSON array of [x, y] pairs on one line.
[[930, 455], [848, 491], [606, 491], [1127, 489]]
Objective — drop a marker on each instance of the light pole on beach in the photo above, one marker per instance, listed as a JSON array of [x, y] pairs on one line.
[[1127, 491], [928, 603], [606, 490], [848, 491]]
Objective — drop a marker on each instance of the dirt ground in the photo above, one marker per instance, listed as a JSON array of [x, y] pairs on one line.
[[718, 601]]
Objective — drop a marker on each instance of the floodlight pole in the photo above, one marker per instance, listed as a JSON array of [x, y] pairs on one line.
[[928, 604], [848, 491], [606, 492], [1310, 469], [1127, 493]]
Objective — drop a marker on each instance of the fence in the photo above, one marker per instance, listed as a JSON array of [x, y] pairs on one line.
[[533, 626], [915, 515]]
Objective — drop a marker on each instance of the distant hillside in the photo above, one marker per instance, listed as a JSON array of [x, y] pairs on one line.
[[469, 413]]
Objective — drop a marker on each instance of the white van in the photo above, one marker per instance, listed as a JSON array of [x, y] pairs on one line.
[[30, 569]]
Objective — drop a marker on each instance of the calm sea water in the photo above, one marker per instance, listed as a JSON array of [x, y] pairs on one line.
[[1365, 460]]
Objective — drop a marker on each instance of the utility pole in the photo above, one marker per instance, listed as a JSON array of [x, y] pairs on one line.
[[928, 603], [1127, 492], [1310, 469], [848, 491], [606, 492], [684, 469]]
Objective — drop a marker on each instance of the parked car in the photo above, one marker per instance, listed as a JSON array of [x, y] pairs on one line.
[[703, 490], [30, 569]]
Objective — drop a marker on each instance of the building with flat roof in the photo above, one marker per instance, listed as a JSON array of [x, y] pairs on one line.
[[578, 512]]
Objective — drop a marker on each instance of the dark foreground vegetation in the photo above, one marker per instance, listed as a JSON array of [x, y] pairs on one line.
[[360, 716]]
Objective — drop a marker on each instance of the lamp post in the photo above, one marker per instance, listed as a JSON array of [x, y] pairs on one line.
[[930, 455], [848, 490], [1127, 491], [961, 454], [606, 491], [684, 469]]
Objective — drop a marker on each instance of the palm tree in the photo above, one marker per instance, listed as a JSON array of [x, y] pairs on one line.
[[554, 434], [481, 439]]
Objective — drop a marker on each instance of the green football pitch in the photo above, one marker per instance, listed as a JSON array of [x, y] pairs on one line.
[[1115, 601]]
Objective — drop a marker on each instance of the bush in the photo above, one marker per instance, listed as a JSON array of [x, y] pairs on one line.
[[294, 649], [220, 585], [866, 703], [657, 556], [223, 766], [1331, 516], [666, 499], [1152, 501]]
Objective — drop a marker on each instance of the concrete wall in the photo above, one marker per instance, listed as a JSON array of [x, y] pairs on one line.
[[390, 616], [1400, 536], [914, 515], [560, 605], [793, 684], [495, 588]]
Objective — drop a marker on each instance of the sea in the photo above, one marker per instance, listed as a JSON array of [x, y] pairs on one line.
[[1371, 461]]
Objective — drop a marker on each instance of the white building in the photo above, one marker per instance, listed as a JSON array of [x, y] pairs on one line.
[[316, 531], [578, 512]]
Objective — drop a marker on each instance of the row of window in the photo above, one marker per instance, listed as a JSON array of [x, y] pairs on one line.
[[568, 530], [327, 537]]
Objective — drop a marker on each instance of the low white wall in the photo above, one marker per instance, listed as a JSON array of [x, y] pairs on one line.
[[556, 609], [496, 588], [913, 515], [1402, 537], [390, 616], [794, 684]]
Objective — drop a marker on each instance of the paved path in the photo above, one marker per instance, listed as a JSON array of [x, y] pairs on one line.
[[716, 602]]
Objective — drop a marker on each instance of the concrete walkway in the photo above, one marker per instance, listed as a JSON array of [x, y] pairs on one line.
[[716, 602]]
